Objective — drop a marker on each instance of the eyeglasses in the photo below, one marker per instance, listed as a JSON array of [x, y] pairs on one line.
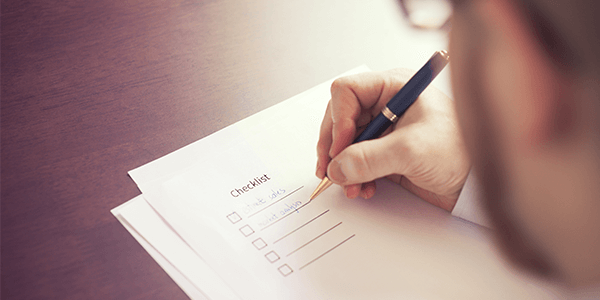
[[427, 14]]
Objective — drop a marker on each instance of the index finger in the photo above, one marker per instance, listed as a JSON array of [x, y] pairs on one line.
[[353, 95]]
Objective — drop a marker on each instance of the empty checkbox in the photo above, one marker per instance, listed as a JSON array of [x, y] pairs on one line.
[[247, 230], [272, 256], [285, 270], [234, 217], [259, 243]]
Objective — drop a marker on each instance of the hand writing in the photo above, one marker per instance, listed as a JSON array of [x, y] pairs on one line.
[[424, 151]]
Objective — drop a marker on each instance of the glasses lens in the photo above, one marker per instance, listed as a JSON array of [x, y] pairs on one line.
[[429, 14]]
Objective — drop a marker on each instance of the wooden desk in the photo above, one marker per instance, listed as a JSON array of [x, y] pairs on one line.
[[92, 89]]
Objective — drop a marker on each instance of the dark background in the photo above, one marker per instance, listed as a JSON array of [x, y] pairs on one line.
[[93, 89]]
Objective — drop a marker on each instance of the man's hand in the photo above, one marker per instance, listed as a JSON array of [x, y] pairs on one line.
[[424, 152]]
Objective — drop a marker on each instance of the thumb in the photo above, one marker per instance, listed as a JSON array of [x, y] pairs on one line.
[[365, 161]]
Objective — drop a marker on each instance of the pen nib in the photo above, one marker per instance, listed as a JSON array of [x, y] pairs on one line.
[[325, 183]]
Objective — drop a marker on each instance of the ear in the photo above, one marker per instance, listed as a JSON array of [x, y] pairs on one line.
[[522, 79]]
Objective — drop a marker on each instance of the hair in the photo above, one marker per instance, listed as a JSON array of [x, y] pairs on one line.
[[568, 30]]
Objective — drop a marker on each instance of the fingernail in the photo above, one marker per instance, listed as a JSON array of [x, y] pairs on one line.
[[335, 172]]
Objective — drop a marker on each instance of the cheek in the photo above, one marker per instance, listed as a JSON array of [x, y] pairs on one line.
[[463, 99]]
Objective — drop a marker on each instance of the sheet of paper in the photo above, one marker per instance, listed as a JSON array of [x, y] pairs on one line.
[[159, 239], [242, 206], [170, 251], [133, 207], [210, 146]]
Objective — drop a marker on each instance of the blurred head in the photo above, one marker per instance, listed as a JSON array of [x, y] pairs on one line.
[[525, 75]]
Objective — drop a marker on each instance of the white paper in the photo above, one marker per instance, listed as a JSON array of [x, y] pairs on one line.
[[164, 245], [267, 241], [150, 220]]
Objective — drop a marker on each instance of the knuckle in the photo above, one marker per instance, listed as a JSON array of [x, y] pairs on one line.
[[338, 84], [342, 85]]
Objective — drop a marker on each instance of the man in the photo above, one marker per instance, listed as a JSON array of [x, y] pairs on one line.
[[526, 78]]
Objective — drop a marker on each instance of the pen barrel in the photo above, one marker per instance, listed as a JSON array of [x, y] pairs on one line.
[[374, 129], [409, 93]]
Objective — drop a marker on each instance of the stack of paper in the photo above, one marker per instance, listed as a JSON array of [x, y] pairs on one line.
[[229, 217]]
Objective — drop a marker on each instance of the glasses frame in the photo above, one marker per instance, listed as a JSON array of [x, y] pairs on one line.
[[406, 13]]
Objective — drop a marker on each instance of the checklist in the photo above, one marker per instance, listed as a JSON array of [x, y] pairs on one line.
[[238, 204]]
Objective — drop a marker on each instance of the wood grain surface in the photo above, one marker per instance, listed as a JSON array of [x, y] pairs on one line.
[[92, 89]]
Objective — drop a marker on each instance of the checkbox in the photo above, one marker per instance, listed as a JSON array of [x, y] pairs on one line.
[[272, 256], [247, 230], [259, 243], [285, 270], [234, 217]]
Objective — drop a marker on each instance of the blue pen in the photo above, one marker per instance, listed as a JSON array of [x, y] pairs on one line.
[[396, 107]]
